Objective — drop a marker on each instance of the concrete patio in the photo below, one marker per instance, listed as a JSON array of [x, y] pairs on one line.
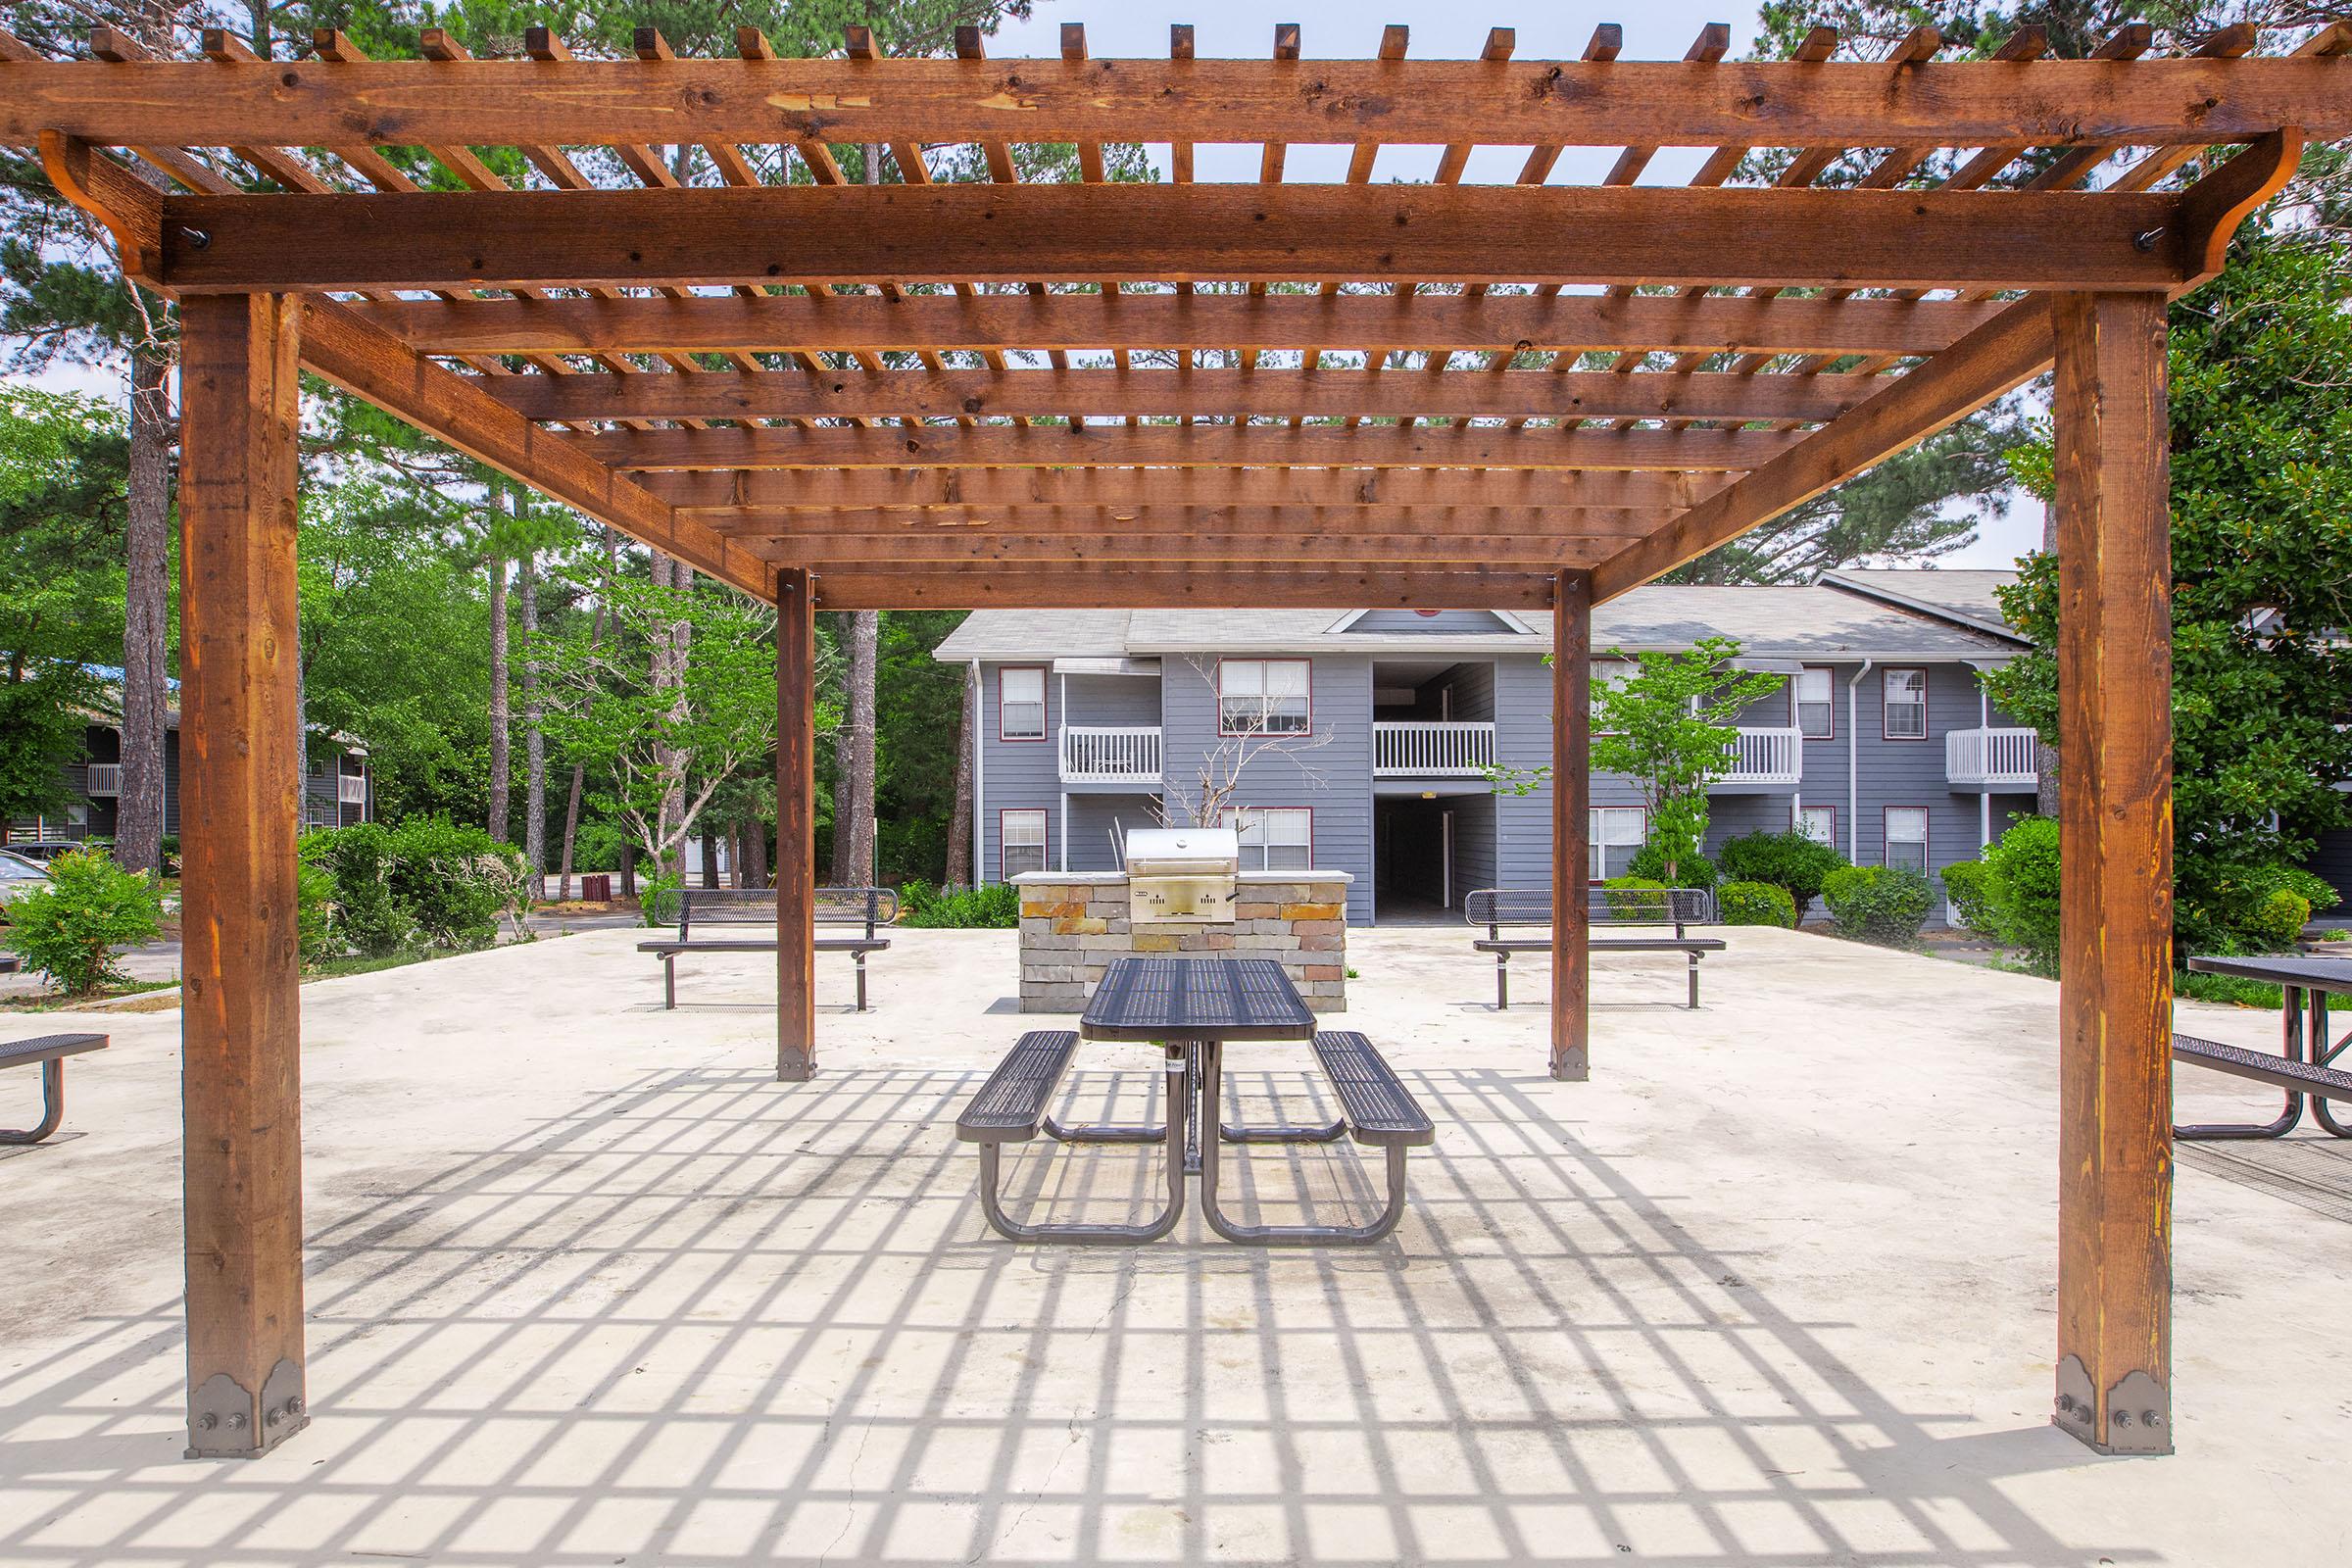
[[587, 1285]]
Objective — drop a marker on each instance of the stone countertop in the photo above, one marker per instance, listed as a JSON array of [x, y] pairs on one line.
[[1104, 878]]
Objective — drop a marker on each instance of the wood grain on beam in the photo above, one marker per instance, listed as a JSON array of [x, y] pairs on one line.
[[1571, 827], [1171, 446], [1524, 103], [992, 548], [796, 828], [1111, 393], [130, 210], [1994, 359], [1451, 523], [768, 488], [365, 361], [1193, 587], [1561, 234], [988, 322]]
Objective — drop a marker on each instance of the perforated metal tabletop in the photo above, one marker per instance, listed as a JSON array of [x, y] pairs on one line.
[[2311, 974], [1180, 999]]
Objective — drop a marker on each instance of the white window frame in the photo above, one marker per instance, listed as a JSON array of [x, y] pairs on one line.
[[1028, 817], [1827, 813], [1827, 702], [1605, 831], [1006, 703], [1887, 704], [1888, 840], [1256, 682], [1282, 837]]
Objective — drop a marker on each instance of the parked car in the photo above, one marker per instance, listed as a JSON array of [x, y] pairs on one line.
[[42, 851], [18, 875]]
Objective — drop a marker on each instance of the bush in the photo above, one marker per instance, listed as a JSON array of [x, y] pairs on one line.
[[170, 852], [313, 910], [457, 883], [2021, 891], [366, 915], [1969, 885], [68, 927], [2251, 910], [1885, 904], [1691, 869], [658, 897], [1788, 860], [1756, 903], [996, 907]]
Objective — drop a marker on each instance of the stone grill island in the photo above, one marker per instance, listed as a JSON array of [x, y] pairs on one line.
[[1073, 923]]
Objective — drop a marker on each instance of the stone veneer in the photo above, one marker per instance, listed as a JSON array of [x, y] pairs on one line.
[[1073, 923]]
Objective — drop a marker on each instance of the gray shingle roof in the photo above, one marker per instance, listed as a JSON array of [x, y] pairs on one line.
[[1960, 592], [1822, 621]]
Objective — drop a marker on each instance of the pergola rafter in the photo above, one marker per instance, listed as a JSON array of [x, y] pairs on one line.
[[881, 434]]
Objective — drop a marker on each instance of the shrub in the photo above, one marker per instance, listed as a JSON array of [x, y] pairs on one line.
[[1787, 860], [313, 910], [658, 897], [1691, 869], [455, 882], [170, 852], [68, 927], [366, 916], [2279, 917], [2021, 891], [2244, 911], [1969, 885], [1756, 903], [994, 906], [1886, 904]]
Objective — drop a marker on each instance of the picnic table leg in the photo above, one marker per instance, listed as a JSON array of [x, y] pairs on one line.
[[1179, 1125], [669, 980], [861, 957], [2324, 1055], [53, 1107], [1693, 961], [1503, 982], [1290, 1235], [2291, 1027]]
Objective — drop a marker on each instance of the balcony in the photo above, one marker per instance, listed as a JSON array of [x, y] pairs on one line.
[[1432, 750], [1762, 760], [1107, 755], [350, 789], [104, 779], [1989, 758]]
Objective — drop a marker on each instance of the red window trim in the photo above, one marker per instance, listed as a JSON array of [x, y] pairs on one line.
[[1045, 695], [1904, 669], [1045, 843], [1794, 806], [1227, 734], [1797, 721], [1591, 880], [1927, 837], [1310, 829]]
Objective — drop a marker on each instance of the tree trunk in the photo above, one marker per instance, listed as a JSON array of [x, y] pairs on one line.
[[710, 855], [628, 870], [671, 654], [754, 851], [854, 757], [139, 809], [579, 771], [960, 870], [534, 735], [500, 763]]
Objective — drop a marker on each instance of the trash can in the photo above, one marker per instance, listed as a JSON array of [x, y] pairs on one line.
[[597, 888]]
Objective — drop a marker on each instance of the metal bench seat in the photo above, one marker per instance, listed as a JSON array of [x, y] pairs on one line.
[[754, 906], [49, 1052], [1676, 907], [1378, 1107], [2296, 1077], [1010, 1108]]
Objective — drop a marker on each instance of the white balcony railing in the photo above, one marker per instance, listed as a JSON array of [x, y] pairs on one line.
[[1107, 755], [350, 789], [106, 778], [1990, 756], [1432, 750], [1766, 757]]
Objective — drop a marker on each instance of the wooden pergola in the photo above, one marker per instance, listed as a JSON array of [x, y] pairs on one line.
[[691, 326]]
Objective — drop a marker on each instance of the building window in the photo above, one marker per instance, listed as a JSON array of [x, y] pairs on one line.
[[1615, 832], [1262, 696], [1274, 838], [1906, 705], [1021, 704], [1816, 715], [1817, 823], [1021, 842], [1907, 837]]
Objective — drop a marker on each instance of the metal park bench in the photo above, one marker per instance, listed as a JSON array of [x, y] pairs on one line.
[[869, 908], [2300, 1079], [2305, 1067], [50, 1052], [1675, 908]]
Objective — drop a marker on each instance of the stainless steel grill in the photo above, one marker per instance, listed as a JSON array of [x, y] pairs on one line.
[[1182, 876]]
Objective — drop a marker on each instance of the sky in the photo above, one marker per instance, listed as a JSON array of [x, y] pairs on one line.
[[1661, 29]]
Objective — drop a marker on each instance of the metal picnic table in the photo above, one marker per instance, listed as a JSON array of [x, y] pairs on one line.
[[2305, 982]]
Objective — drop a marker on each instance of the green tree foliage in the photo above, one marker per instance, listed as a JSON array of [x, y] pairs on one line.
[[69, 927], [920, 706], [2260, 367], [1669, 725], [62, 500]]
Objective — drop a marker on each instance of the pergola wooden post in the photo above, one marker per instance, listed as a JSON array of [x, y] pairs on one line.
[[240, 781], [2114, 1080], [805, 439], [1571, 793], [796, 827]]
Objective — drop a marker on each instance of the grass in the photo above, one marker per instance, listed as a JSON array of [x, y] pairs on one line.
[[2228, 989], [54, 1001]]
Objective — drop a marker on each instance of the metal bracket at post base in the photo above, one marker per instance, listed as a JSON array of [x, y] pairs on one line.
[[226, 1423], [2139, 1412]]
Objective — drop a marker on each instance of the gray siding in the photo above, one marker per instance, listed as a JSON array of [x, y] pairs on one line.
[[1017, 775], [1095, 818], [1475, 830], [1105, 700]]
